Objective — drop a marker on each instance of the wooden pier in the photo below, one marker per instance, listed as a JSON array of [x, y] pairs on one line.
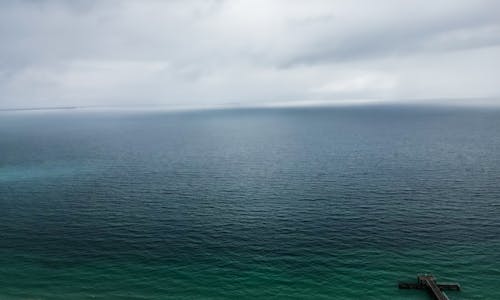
[[428, 282]]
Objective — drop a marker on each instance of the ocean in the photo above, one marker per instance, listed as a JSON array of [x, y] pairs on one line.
[[277, 203]]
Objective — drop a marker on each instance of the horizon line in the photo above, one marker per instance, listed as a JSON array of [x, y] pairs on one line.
[[417, 102]]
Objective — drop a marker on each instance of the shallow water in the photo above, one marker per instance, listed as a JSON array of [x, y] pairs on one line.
[[338, 203]]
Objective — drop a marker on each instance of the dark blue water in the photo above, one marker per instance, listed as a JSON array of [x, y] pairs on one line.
[[324, 203]]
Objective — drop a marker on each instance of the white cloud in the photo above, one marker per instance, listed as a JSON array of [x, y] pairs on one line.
[[362, 82]]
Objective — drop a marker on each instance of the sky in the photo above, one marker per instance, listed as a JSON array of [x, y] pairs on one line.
[[212, 53]]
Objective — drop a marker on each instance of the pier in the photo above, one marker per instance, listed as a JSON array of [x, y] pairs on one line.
[[428, 282]]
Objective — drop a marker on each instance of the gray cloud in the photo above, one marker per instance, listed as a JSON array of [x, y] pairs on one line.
[[216, 52]]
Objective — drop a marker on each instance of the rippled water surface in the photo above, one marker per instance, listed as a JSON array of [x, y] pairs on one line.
[[249, 204]]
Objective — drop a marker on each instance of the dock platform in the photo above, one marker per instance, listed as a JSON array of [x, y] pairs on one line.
[[428, 282]]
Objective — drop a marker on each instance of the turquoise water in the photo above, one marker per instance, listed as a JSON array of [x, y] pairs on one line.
[[326, 203]]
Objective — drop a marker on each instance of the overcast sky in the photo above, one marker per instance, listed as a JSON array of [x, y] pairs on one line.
[[55, 53]]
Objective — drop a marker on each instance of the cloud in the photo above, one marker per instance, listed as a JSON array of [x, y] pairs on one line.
[[216, 52]]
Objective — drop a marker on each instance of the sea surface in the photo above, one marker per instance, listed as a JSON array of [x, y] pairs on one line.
[[296, 203]]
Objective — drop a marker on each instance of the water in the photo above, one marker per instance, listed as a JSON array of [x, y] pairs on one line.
[[338, 203]]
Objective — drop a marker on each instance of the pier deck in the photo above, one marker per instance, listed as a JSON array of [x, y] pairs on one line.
[[428, 282]]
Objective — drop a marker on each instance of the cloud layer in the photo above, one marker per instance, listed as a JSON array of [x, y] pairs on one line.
[[246, 52]]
